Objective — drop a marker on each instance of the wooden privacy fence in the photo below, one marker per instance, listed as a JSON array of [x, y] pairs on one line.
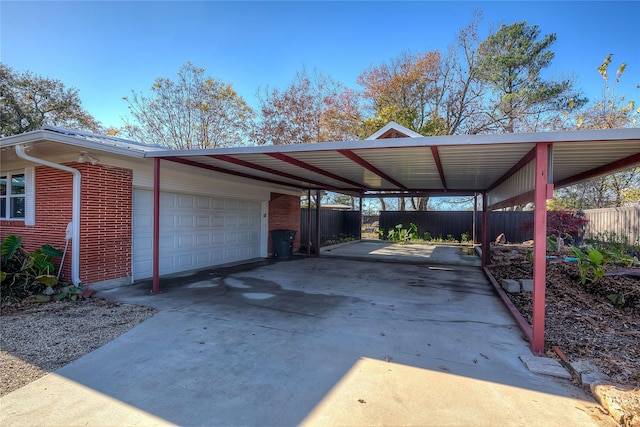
[[334, 225], [624, 222], [455, 223]]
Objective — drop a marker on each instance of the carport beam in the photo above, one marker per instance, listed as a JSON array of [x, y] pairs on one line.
[[540, 247], [155, 288]]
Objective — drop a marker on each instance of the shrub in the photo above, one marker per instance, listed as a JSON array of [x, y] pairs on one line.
[[22, 273], [565, 226]]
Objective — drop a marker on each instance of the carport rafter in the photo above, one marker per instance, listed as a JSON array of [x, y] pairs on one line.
[[419, 193], [531, 155], [362, 162], [250, 165], [315, 169], [630, 161], [436, 158], [231, 172]]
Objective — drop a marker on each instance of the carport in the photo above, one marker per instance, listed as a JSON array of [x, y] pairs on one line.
[[507, 170]]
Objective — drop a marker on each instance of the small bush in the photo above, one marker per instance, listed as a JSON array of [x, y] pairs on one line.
[[23, 274]]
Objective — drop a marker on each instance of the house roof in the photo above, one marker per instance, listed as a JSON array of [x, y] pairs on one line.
[[52, 139]]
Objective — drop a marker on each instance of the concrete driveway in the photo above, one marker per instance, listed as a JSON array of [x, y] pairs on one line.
[[319, 341]]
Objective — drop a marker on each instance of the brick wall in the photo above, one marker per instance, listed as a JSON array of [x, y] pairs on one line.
[[53, 199], [105, 224], [284, 214]]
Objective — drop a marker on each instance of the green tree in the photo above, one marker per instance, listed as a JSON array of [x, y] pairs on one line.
[[511, 62], [29, 101], [311, 109], [195, 111]]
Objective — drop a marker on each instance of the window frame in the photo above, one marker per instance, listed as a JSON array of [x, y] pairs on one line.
[[26, 195]]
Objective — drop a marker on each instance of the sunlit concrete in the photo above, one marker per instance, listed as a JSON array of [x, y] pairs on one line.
[[57, 401], [410, 252], [420, 344]]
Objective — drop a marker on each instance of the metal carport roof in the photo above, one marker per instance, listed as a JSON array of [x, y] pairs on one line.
[[440, 165]]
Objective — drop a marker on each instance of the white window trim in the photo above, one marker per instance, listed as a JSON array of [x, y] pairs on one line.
[[29, 195]]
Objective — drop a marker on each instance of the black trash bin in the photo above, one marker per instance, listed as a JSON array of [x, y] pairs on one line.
[[282, 243]]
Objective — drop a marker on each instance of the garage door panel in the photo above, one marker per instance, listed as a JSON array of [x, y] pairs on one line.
[[185, 241], [203, 221], [203, 240], [195, 231], [231, 237], [203, 202]]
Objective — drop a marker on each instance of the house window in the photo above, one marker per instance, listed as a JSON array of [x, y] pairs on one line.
[[12, 196]]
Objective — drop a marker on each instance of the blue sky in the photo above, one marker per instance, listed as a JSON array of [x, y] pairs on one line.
[[107, 48]]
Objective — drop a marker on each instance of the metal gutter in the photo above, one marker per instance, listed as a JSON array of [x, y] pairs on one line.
[[75, 240]]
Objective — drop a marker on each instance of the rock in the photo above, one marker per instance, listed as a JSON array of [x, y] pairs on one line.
[[623, 403], [510, 286], [588, 372], [501, 239], [48, 291], [546, 366], [527, 284], [87, 293]]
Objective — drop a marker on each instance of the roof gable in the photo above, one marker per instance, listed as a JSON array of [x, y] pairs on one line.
[[394, 130]]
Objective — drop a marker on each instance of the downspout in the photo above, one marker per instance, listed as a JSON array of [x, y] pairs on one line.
[[75, 215]]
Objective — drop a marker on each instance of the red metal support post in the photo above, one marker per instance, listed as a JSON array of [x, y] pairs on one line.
[[540, 247], [309, 240], [360, 218], [485, 243], [318, 197], [156, 226]]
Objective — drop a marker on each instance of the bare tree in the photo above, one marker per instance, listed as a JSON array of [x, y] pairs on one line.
[[311, 109], [195, 111]]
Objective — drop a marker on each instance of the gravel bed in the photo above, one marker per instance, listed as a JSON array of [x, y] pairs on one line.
[[38, 338]]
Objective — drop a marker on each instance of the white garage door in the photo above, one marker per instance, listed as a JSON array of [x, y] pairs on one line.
[[195, 232]]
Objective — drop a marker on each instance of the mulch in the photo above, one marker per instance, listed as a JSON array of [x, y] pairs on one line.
[[580, 319]]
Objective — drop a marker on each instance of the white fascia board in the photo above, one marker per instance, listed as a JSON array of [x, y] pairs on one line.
[[631, 135], [48, 136]]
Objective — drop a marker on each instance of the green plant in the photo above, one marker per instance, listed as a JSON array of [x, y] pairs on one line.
[[465, 237], [392, 234], [593, 259], [25, 273], [381, 233], [619, 299], [614, 243], [71, 292], [413, 231], [451, 239], [427, 236]]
